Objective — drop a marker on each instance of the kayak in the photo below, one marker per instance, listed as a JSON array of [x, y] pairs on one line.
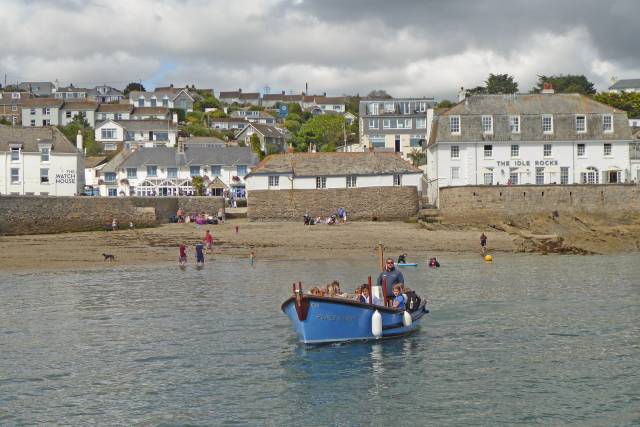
[[407, 264]]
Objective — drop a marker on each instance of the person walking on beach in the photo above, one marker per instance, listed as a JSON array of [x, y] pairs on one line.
[[114, 224], [483, 242], [182, 258], [208, 240]]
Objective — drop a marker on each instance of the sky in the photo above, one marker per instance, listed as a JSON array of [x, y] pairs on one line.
[[408, 48]]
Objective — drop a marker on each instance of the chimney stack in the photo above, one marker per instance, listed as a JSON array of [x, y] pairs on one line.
[[547, 88], [240, 90], [79, 140], [462, 94]]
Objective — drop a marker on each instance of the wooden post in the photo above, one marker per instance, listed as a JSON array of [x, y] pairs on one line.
[[384, 291], [370, 291]]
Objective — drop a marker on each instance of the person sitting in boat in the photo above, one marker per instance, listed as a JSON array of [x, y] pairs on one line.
[[402, 259], [433, 262], [316, 291], [398, 298], [392, 276], [333, 290], [357, 293], [365, 298]]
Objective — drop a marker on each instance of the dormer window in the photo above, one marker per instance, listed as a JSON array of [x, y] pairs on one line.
[[45, 151], [141, 102], [547, 123], [487, 124], [607, 123], [15, 153], [389, 107], [454, 125], [154, 102], [514, 124], [15, 95], [374, 108], [581, 124]]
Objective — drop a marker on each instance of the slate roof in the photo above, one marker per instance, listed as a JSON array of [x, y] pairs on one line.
[[72, 89], [31, 137], [111, 91], [80, 105], [143, 125], [240, 95], [626, 84], [150, 110], [43, 102], [204, 140], [334, 164], [268, 130], [228, 119], [169, 157], [115, 108], [93, 161]]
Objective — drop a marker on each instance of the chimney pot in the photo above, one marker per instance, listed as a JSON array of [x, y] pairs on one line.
[[547, 88], [79, 142]]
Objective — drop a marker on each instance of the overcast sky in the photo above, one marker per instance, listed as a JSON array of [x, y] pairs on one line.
[[409, 48]]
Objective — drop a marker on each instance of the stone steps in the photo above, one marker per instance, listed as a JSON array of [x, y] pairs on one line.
[[431, 214], [233, 213]]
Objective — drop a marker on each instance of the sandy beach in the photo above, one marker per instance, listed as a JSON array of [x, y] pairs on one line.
[[269, 240]]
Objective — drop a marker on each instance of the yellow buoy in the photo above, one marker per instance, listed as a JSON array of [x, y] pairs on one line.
[[488, 258]]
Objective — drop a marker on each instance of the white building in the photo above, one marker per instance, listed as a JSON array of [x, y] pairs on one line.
[[625, 85], [163, 171], [136, 133], [538, 139], [39, 161], [307, 171]]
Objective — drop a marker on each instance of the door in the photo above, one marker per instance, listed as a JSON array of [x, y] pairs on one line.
[[397, 147]]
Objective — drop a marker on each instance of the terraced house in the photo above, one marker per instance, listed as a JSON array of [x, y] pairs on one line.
[[535, 139]]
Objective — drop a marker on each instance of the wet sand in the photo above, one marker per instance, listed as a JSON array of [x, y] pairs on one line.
[[270, 241]]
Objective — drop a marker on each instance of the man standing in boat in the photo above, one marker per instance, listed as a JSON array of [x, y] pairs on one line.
[[392, 275]]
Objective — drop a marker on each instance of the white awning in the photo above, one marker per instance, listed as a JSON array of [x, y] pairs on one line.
[[520, 170], [552, 169], [486, 170], [613, 169]]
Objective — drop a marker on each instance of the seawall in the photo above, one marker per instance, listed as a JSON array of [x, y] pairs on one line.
[[45, 214]]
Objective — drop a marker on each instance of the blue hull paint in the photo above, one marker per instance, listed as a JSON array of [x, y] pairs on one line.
[[407, 264], [335, 320]]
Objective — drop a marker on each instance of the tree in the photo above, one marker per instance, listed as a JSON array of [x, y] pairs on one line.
[[294, 108], [379, 94], [92, 147], [198, 185], [353, 104], [445, 103], [570, 83], [255, 146], [325, 131], [206, 101], [501, 83], [627, 101], [416, 156], [478, 90], [133, 86]]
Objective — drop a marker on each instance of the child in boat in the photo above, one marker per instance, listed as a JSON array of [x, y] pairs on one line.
[[399, 299], [365, 298], [316, 291]]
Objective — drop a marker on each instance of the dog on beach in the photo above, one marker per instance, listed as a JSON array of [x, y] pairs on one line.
[[109, 257]]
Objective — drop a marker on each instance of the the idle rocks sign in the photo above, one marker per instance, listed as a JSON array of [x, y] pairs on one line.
[[66, 177], [519, 163]]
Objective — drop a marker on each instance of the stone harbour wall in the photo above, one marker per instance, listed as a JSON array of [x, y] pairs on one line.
[[525, 199], [45, 214], [369, 203]]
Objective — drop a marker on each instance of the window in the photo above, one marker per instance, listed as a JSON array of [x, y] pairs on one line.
[[112, 192], [194, 170], [416, 141], [15, 154], [547, 123], [455, 172], [110, 177], [488, 151], [152, 170], [514, 124], [607, 123], [351, 181], [515, 151], [377, 141], [14, 108], [405, 107], [488, 178], [172, 172], [33, 123], [546, 150], [421, 107], [274, 181], [487, 124], [373, 124], [242, 170], [110, 147], [15, 95], [607, 149], [46, 122], [581, 124], [32, 111], [455, 152], [564, 175], [374, 108], [15, 175], [454, 124], [153, 102], [397, 180], [321, 182], [396, 123], [590, 176], [539, 176], [421, 123], [389, 107], [165, 102], [513, 176], [161, 136], [46, 111], [44, 154], [108, 133], [216, 170], [67, 114], [44, 175], [141, 102], [132, 173], [581, 150]]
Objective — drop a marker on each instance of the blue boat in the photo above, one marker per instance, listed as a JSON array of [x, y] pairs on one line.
[[407, 264], [320, 319]]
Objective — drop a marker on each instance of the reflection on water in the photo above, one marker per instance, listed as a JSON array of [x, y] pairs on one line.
[[526, 339]]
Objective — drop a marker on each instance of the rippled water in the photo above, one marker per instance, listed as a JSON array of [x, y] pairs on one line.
[[525, 340]]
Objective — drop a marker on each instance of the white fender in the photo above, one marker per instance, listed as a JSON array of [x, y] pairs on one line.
[[376, 324], [406, 319]]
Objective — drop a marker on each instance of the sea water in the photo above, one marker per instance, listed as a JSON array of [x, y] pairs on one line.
[[523, 340]]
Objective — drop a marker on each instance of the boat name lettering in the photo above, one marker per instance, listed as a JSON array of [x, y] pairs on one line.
[[315, 305], [334, 317]]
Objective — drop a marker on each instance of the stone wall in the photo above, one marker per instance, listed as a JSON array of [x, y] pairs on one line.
[[524, 199], [42, 214], [381, 203]]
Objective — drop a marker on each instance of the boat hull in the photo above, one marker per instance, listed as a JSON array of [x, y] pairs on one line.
[[338, 319]]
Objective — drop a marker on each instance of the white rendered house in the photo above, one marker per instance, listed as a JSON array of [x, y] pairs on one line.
[[136, 133]]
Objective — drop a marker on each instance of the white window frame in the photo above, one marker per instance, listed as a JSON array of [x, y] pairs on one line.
[[108, 133], [421, 123], [192, 168], [539, 176], [374, 108], [548, 131], [584, 150], [389, 107], [487, 178], [397, 180], [15, 95], [455, 172], [14, 107], [514, 124], [545, 151], [604, 123], [45, 154], [172, 173], [454, 152], [487, 125], [515, 153], [44, 177], [455, 127], [321, 182], [564, 175], [488, 154], [607, 149], [374, 123], [351, 181], [15, 178], [17, 150], [421, 106], [32, 111], [274, 181], [583, 128], [132, 173]]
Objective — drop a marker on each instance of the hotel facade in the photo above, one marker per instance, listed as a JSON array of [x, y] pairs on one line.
[[534, 139]]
